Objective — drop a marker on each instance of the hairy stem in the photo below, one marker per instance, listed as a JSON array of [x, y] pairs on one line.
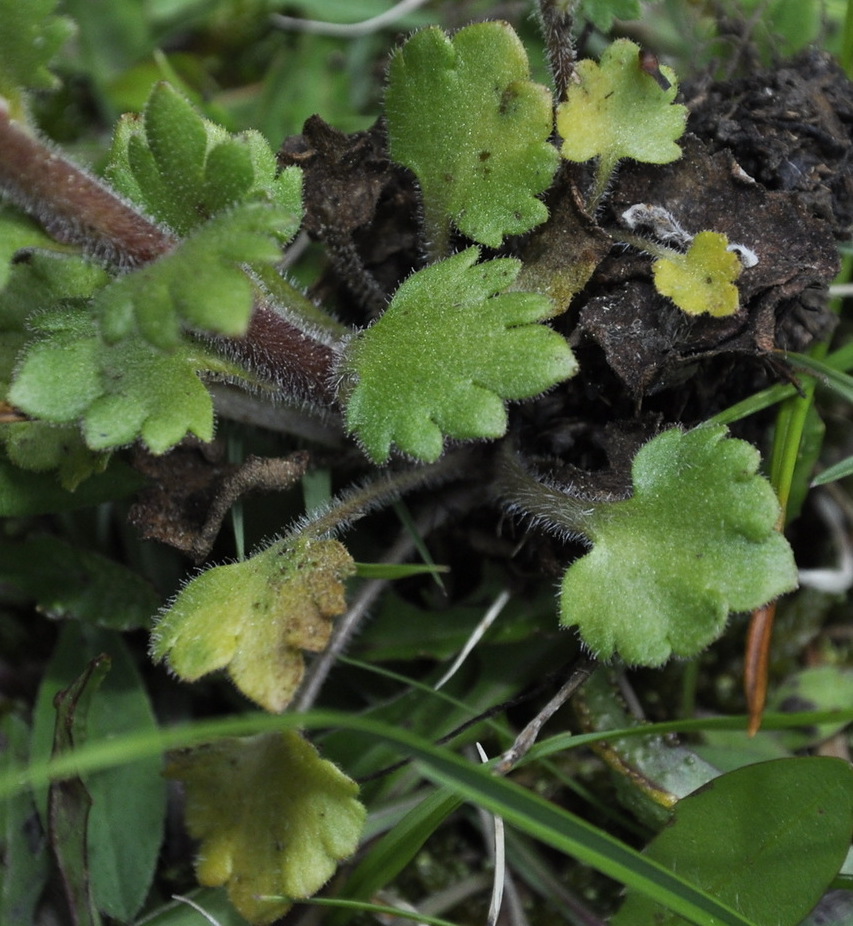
[[388, 487], [73, 206], [552, 508], [296, 362], [76, 208], [556, 19]]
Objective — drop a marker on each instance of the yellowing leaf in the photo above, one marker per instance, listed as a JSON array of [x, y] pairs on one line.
[[256, 618], [702, 280], [616, 110], [274, 819]]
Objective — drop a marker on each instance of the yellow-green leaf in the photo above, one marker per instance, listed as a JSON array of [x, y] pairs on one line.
[[702, 281], [255, 618], [274, 819]]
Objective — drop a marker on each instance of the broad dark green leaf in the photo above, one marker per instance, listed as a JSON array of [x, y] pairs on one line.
[[767, 839], [69, 801], [25, 862], [129, 800]]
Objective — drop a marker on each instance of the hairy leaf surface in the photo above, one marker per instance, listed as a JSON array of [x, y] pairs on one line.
[[118, 392], [464, 115], [255, 618], [183, 169], [696, 541], [617, 110], [274, 819], [448, 351], [201, 284]]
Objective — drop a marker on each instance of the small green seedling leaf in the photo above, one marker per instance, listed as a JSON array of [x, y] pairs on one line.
[[31, 36], [464, 115], [183, 169], [446, 354], [767, 839], [200, 284], [696, 541], [257, 617], [702, 281], [614, 109], [274, 819], [119, 392]]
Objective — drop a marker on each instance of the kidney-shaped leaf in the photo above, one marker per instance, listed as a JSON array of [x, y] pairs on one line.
[[696, 541], [446, 354], [257, 617], [464, 115], [274, 819], [767, 839]]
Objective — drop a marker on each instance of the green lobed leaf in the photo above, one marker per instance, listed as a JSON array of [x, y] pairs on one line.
[[274, 819], [128, 798], [464, 115], [201, 283], [184, 169], [450, 348], [42, 280], [30, 38], [119, 392], [767, 839], [702, 281], [256, 617], [614, 109], [696, 541]]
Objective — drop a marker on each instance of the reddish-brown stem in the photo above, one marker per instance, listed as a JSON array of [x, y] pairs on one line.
[[73, 206], [76, 208], [297, 363], [757, 662]]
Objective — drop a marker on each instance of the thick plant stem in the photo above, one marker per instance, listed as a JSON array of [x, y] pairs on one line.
[[296, 362], [76, 208], [73, 206]]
